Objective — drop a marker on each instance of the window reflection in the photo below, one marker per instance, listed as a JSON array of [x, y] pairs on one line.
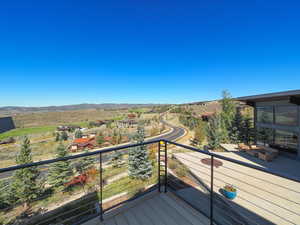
[[287, 140], [286, 115], [265, 114]]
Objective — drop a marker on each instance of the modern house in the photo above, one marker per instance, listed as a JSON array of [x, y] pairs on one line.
[[277, 119]]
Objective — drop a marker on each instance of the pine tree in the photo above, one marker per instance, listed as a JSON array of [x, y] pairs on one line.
[[25, 182], [200, 133], [116, 159], [248, 130], [57, 136], [78, 134], [139, 164], [227, 114], [236, 134], [84, 164], [214, 132], [64, 136], [60, 172]]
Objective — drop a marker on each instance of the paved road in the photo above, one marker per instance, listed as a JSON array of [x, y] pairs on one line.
[[176, 133]]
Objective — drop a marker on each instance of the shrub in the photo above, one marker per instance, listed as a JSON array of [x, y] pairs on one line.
[[182, 171], [172, 164]]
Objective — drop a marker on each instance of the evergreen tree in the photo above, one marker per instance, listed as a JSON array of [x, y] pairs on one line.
[[64, 136], [25, 183], [60, 172], [227, 114], [236, 133], [78, 134], [84, 164], [116, 159], [139, 164], [214, 132], [248, 130], [57, 136], [200, 133]]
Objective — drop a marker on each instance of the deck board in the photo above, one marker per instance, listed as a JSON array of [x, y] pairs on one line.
[[161, 209]]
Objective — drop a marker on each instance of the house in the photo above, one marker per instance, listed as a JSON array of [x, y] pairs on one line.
[[206, 116], [82, 143], [108, 139], [277, 120], [68, 128], [131, 116], [127, 123]]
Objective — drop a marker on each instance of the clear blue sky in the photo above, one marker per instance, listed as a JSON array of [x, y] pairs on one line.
[[68, 52]]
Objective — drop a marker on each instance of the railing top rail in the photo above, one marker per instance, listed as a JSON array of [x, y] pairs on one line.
[[49, 161], [117, 148], [289, 177]]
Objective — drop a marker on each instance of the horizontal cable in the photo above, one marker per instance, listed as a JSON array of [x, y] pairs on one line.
[[235, 161], [44, 162], [267, 181], [247, 192], [243, 182]]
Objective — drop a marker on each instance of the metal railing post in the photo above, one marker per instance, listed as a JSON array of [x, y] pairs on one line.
[[159, 166], [166, 167], [211, 190], [101, 188]]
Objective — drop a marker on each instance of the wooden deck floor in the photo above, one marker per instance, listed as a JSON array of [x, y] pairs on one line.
[[160, 209]]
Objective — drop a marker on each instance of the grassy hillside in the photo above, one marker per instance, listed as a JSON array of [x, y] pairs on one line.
[[26, 131], [67, 117]]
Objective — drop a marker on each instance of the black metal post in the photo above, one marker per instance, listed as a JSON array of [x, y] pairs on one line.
[[101, 188], [211, 190], [166, 167], [159, 166]]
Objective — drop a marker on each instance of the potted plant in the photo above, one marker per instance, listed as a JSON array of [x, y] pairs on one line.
[[230, 191]]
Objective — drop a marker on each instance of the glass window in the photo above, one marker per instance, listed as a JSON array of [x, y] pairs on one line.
[[265, 114], [264, 135], [286, 115], [286, 140]]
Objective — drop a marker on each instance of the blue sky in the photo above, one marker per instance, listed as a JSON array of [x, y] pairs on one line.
[[69, 52]]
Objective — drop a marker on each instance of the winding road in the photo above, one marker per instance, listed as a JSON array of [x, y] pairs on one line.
[[176, 133]]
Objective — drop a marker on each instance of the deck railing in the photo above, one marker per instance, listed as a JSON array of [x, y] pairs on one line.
[[194, 175]]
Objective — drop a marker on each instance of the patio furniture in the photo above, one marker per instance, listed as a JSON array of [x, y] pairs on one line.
[[243, 147], [208, 161], [266, 156], [253, 152]]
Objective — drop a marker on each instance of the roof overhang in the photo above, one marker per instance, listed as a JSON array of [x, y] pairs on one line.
[[291, 96]]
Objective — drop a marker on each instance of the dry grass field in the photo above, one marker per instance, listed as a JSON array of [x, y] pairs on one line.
[[66, 117]]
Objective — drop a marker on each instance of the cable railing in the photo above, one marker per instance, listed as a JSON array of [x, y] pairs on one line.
[[197, 177], [263, 196]]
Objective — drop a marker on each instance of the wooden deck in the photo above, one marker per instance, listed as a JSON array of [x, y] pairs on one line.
[[262, 198], [159, 209]]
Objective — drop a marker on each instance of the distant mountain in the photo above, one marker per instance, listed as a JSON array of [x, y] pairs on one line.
[[20, 109]]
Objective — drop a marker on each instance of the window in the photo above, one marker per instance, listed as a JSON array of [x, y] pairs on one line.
[[265, 114], [286, 115], [286, 140], [264, 135]]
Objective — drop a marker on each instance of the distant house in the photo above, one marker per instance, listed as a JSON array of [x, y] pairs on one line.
[[82, 143], [68, 128], [206, 116], [108, 139], [126, 123], [131, 116], [90, 135]]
